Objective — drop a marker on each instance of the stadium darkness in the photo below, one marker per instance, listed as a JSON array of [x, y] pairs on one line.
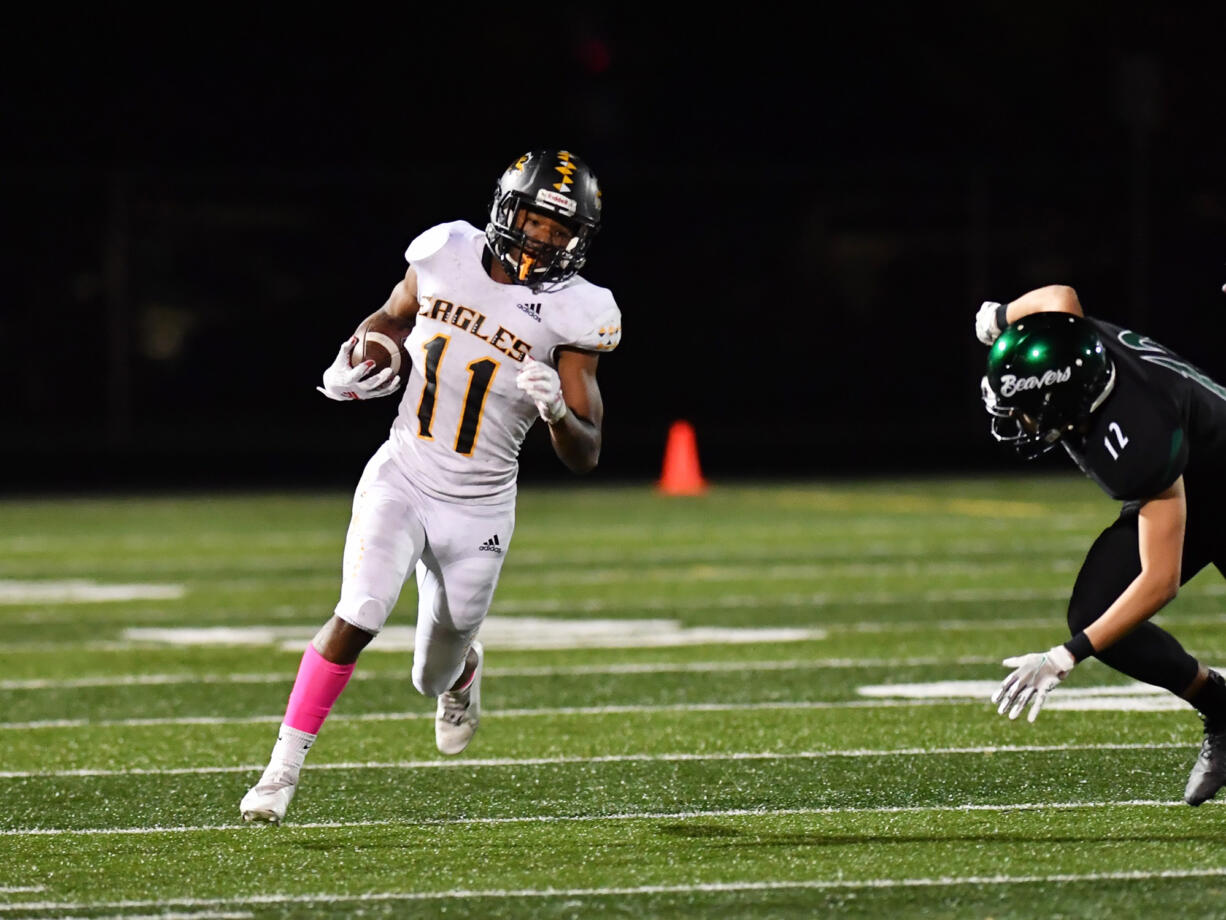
[[801, 218]]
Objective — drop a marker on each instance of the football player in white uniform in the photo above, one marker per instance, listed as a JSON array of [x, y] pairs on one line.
[[502, 330]]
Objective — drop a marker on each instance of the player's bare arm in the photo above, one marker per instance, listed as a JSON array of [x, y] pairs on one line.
[[576, 436], [993, 317], [1051, 298], [348, 377], [401, 306], [1160, 533]]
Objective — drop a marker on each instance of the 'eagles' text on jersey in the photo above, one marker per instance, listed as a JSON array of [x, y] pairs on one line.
[[462, 419], [1164, 418]]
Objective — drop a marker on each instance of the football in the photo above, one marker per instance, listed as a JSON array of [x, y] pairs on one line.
[[383, 343]]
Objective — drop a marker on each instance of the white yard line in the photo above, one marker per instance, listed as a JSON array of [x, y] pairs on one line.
[[1135, 697], [502, 632], [82, 591], [294, 638], [609, 758], [1059, 543], [594, 819], [576, 632], [719, 571], [506, 713], [754, 601], [694, 888], [663, 667]]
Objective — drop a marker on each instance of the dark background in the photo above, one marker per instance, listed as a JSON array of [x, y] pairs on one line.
[[803, 211]]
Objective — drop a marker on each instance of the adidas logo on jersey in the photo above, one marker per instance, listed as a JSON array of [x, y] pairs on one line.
[[491, 545], [532, 309]]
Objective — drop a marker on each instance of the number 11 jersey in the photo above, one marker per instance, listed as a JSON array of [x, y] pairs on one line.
[[462, 420]]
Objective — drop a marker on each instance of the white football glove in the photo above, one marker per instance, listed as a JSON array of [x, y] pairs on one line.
[[541, 382], [342, 382], [986, 329], [1033, 677]]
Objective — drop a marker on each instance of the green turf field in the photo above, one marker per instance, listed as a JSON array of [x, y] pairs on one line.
[[762, 702]]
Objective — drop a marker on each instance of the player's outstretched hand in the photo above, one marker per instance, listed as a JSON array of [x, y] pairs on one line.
[[342, 382], [1033, 677], [542, 384]]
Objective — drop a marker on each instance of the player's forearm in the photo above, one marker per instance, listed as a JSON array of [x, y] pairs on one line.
[[576, 441], [400, 308], [1148, 593], [1160, 534], [386, 316], [1052, 298]]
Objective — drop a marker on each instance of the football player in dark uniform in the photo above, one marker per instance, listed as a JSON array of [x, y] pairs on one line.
[[1150, 429]]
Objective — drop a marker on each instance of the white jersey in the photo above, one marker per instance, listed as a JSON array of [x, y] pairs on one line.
[[462, 419]]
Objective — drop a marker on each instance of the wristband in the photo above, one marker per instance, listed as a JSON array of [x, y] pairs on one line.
[[1080, 647], [1001, 321]]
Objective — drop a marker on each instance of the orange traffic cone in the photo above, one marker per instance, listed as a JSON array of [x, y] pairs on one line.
[[681, 474]]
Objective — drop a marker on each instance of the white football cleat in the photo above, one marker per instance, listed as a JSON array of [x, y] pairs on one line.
[[459, 712], [268, 799]]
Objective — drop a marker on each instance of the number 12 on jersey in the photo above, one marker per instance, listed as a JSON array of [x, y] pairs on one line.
[[480, 375], [1120, 438]]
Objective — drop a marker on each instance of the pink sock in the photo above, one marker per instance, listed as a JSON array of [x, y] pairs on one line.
[[316, 688]]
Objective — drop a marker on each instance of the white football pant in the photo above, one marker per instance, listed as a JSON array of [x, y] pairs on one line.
[[457, 549]]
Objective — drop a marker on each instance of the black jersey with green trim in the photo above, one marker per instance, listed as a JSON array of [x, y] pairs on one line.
[[1164, 418]]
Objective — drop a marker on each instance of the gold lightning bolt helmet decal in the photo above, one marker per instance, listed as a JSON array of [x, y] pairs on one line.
[[566, 168]]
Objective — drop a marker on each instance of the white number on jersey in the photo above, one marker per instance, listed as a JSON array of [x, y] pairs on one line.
[[1120, 437]]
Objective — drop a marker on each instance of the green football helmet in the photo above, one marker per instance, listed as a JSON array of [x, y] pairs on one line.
[[1046, 373]]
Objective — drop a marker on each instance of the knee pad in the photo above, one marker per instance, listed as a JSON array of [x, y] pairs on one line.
[[368, 613]]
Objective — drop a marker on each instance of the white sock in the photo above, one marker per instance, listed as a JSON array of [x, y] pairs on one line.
[[289, 752]]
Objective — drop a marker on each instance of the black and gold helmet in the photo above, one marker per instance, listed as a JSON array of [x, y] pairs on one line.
[[555, 183], [1046, 373]]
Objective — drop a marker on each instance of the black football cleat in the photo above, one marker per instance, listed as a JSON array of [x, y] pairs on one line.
[[1209, 773]]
